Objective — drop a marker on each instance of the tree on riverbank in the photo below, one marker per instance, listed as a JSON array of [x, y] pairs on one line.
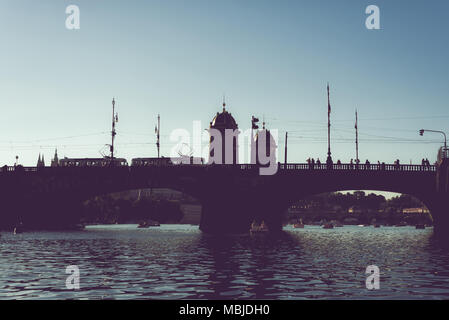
[[359, 208], [106, 209]]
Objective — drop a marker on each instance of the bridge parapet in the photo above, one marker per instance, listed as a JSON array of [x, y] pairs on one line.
[[364, 167], [288, 167]]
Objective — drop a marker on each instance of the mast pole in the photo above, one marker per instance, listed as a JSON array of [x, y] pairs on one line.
[[158, 135], [113, 130], [329, 158], [356, 137], [285, 156]]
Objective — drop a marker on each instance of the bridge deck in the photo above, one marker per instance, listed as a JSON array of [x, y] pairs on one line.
[[288, 166]]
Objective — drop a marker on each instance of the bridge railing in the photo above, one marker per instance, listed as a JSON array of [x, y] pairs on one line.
[[354, 167], [282, 166], [348, 166]]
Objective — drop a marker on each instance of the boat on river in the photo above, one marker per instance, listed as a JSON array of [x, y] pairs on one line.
[[258, 228], [148, 223], [300, 224]]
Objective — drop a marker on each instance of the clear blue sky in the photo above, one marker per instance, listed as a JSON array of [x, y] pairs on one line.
[[272, 59]]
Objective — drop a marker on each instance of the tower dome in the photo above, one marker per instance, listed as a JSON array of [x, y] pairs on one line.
[[224, 120], [221, 122]]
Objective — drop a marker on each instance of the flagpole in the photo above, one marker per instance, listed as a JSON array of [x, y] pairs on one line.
[[158, 135], [356, 137], [285, 155], [329, 158], [113, 133]]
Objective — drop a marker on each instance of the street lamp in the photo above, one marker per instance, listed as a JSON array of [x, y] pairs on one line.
[[421, 132]]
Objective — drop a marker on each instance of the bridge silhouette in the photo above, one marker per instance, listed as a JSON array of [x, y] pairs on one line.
[[232, 196]]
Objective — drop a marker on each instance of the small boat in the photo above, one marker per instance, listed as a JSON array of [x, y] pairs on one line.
[[258, 229], [149, 223], [143, 224], [18, 228], [328, 226], [420, 226], [299, 225], [377, 226], [401, 224]]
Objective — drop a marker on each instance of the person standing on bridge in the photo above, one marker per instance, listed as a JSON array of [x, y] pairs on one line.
[[367, 164]]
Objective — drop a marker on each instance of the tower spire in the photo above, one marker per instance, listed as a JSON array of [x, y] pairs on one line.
[[224, 103]]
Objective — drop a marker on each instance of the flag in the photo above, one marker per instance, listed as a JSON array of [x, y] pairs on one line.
[[254, 120], [155, 129], [328, 101]]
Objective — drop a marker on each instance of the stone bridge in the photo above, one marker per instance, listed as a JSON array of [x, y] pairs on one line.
[[232, 196]]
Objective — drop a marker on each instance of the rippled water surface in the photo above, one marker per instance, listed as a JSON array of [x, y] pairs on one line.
[[179, 262]]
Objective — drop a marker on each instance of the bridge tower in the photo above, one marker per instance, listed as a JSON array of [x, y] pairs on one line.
[[223, 122]]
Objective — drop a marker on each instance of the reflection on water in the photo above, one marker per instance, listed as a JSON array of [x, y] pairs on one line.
[[179, 262]]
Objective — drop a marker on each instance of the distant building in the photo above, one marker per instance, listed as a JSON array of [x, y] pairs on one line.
[[55, 160], [40, 161], [414, 210]]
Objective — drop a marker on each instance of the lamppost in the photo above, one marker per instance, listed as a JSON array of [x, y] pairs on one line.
[[421, 132]]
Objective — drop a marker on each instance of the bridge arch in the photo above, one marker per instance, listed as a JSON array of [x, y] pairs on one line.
[[359, 207], [164, 205]]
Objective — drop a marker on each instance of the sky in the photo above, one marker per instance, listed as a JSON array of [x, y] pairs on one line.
[[271, 59]]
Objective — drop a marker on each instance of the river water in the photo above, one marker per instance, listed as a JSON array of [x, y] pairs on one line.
[[179, 262]]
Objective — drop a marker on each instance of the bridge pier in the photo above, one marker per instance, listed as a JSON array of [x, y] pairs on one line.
[[439, 203], [233, 211]]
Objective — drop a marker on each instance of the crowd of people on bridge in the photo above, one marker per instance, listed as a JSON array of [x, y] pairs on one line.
[[355, 163]]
